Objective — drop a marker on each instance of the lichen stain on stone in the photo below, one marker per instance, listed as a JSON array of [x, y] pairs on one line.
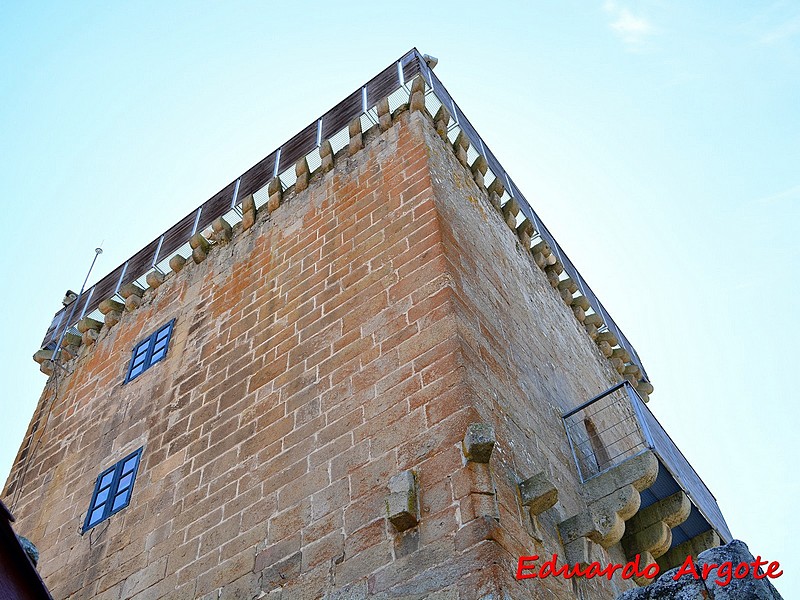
[[477, 203]]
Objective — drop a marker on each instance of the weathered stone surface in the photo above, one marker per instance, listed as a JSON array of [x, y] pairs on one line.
[[200, 247], [441, 121], [579, 313], [42, 355], [326, 155], [223, 232], [416, 101], [479, 442], [87, 323], [538, 493], [70, 339], [510, 212], [644, 387], [621, 354], [248, 203], [609, 337], [569, 285], [402, 508], [384, 114], [199, 255], [275, 192], [552, 275], [130, 289], [581, 302], [460, 146], [155, 279], [604, 347], [689, 588], [612, 497], [650, 529], [356, 142], [639, 471], [525, 232], [132, 302], [90, 336], [176, 263], [353, 335], [112, 318], [248, 219], [479, 168], [109, 305], [594, 319], [302, 174], [700, 543]]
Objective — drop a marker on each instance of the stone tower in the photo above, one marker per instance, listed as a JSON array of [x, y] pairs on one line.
[[363, 369]]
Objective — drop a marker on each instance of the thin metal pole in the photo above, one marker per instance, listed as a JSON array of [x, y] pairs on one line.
[[634, 398], [86, 304], [277, 164], [572, 448], [121, 277], [196, 220], [97, 252], [235, 193], [158, 250]]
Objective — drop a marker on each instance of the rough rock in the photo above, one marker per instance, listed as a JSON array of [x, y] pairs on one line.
[[689, 588]]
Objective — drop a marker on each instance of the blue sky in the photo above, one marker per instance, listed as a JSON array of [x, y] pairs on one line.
[[659, 141]]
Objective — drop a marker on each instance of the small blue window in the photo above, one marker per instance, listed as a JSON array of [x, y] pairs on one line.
[[113, 489], [148, 352]]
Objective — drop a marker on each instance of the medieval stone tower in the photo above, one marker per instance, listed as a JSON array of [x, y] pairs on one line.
[[364, 369]]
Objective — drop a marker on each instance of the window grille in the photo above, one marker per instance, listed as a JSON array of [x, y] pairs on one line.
[[149, 351], [113, 489]]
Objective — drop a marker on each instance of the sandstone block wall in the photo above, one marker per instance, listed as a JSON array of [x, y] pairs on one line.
[[353, 332]]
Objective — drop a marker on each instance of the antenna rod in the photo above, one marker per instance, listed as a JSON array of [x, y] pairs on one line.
[[97, 252]]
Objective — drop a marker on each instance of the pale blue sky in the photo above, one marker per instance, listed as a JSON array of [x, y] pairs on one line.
[[660, 142]]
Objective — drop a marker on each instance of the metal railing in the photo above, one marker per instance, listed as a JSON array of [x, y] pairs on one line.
[[361, 103], [616, 425], [604, 432]]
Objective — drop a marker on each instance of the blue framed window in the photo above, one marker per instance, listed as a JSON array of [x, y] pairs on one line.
[[113, 489], [148, 352]]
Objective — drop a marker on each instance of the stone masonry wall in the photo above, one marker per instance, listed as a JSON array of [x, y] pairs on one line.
[[351, 334], [527, 360]]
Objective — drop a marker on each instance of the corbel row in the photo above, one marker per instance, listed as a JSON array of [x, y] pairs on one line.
[[692, 547], [592, 322], [545, 259], [402, 503], [611, 499], [612, 514], [536, 494], [649, 532], [89, 329], [222, 232]]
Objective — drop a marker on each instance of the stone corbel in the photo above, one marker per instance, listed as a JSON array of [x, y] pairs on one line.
[[611, 498]]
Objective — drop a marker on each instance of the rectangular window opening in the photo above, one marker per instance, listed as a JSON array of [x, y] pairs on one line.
[[149, 351], [113, 489]]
